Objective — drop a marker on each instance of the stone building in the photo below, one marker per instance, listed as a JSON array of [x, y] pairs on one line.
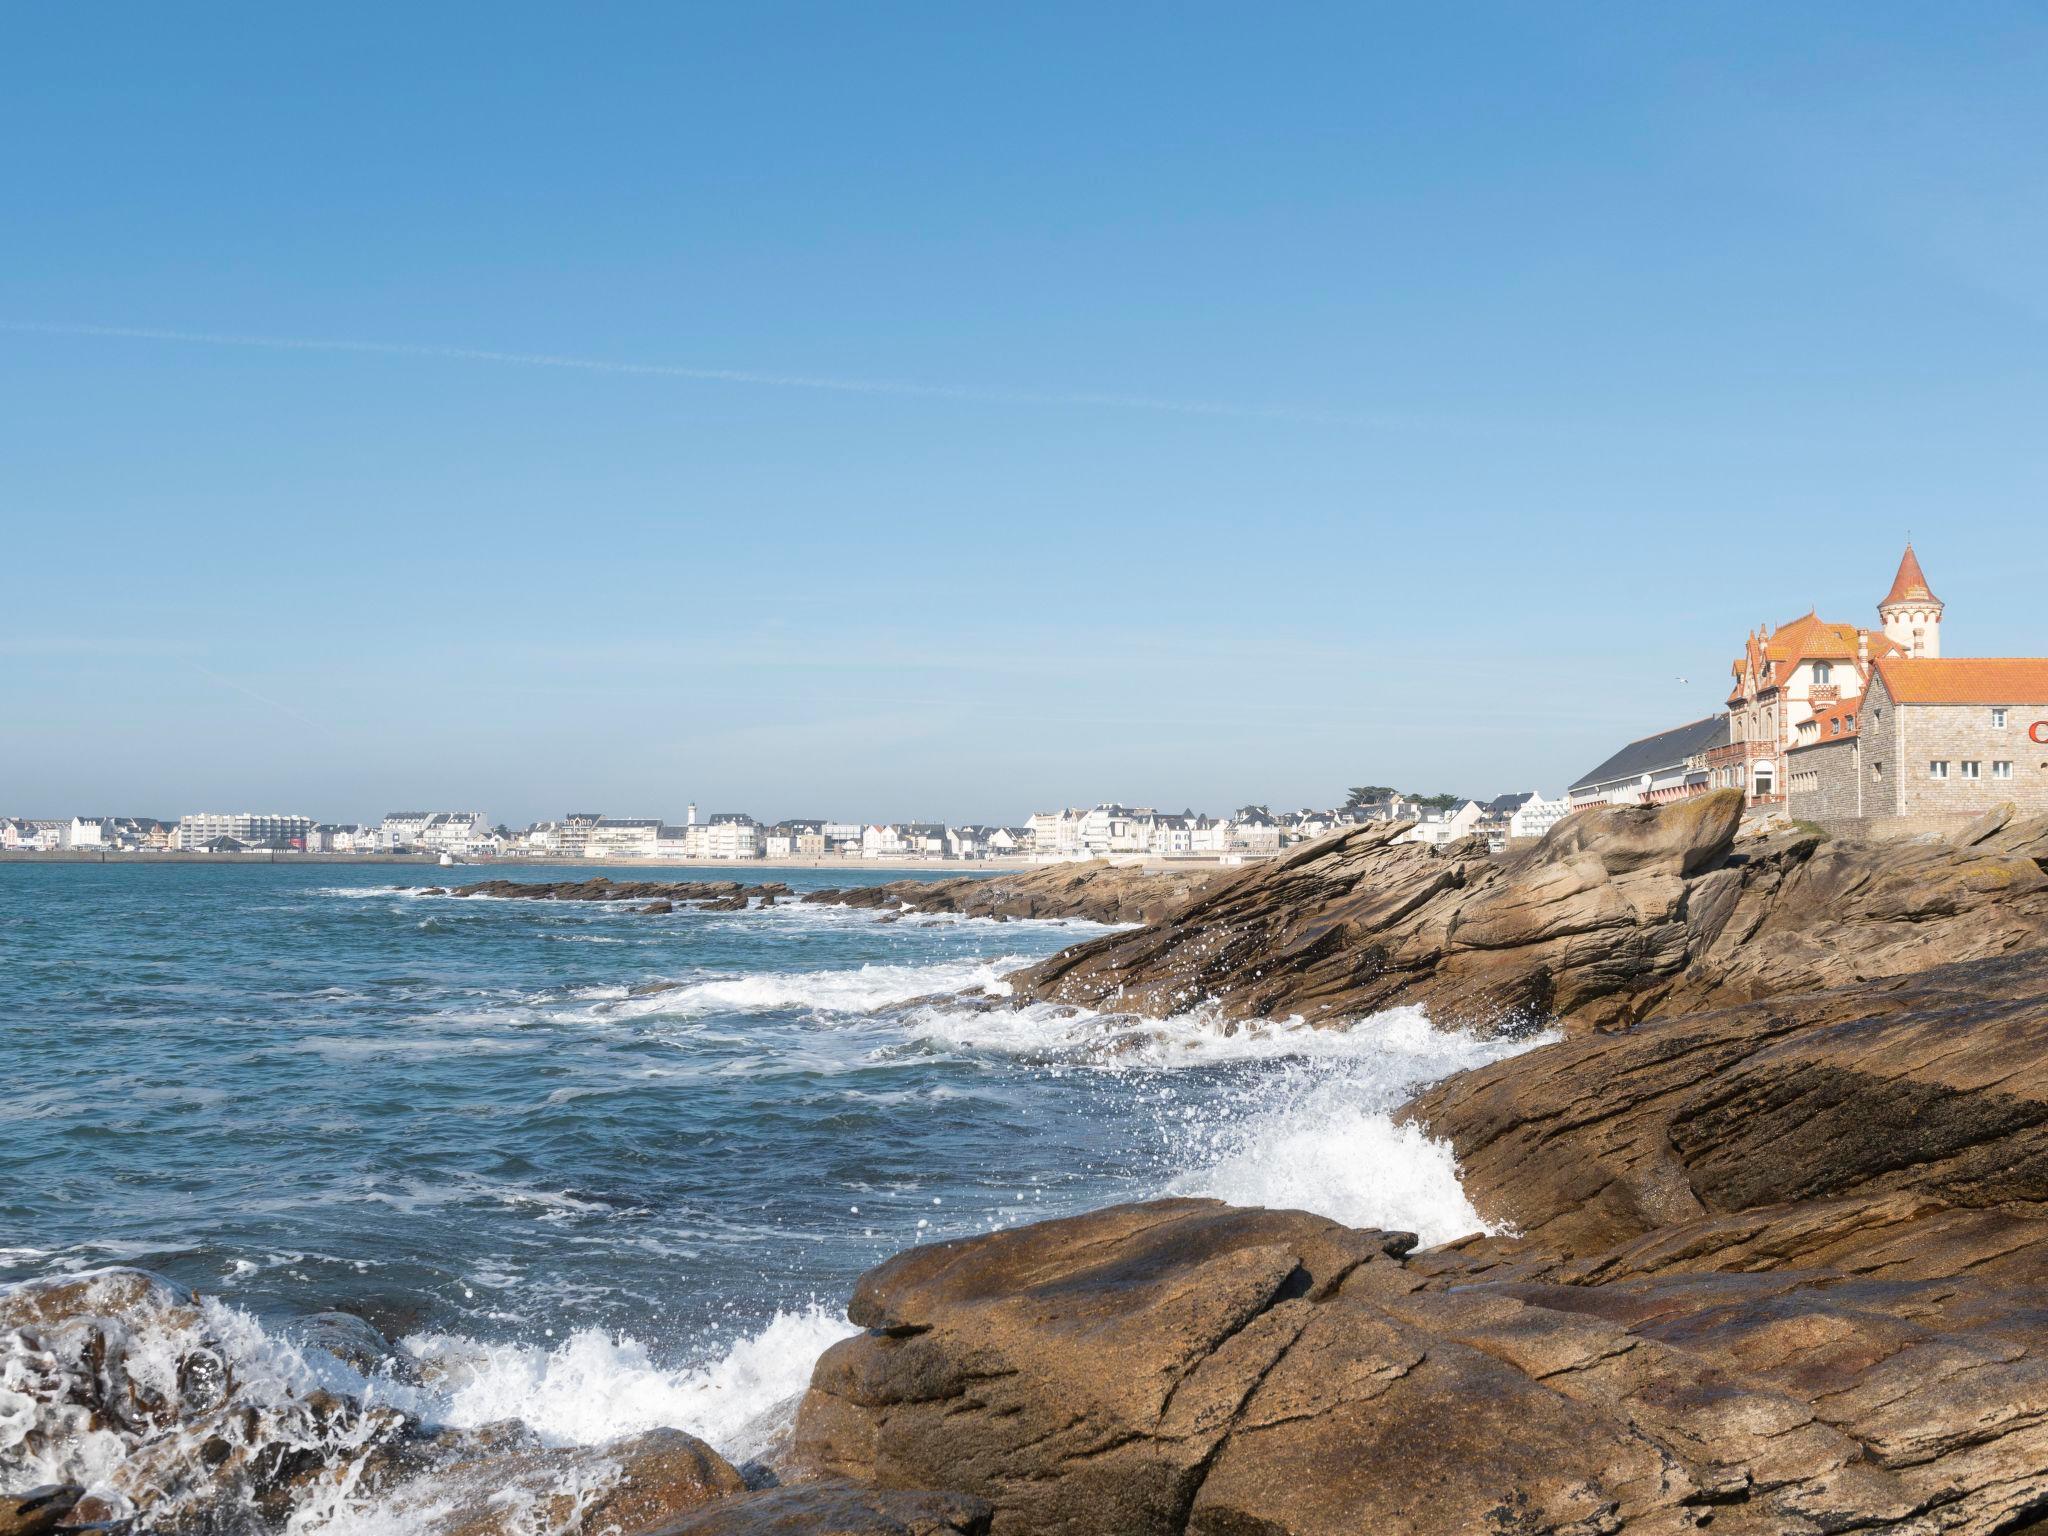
[[1789, 674], [1931, 741]]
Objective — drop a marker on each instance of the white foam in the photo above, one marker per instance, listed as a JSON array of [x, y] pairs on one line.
[[592, 1387], [867, 989], [1299, 1116]]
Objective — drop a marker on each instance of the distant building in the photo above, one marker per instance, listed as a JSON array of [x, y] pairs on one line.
[[1536, 815], [1787, 675], [1930, 738], [1253, 829], [1442, 828], [732, 835], [249, 829], [89, 832], [622, 838], [1671, 765]]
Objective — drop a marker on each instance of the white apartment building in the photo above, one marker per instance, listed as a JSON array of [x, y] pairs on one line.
[[1538, 815], [88, 832], [1056, 834], [732, 835], [465, 833], [1443, 829], [881, 841], [1253, 830], [623, 838], [844, 838], [252, 829]]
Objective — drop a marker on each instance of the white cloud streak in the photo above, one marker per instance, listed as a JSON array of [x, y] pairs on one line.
[[753, 377]]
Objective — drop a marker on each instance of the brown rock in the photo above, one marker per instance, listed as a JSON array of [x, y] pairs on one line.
[[1096, 891], [824, 1511], [37, 1510], [1618, 915], [630, 1487], [1934, 1085], [1182, 1367]]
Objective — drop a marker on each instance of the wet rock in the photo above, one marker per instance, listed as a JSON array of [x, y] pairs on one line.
[[656, 909], [1096, 891], [1617, 915], [37, 1510], [357, 1344], [631, 1487], [825, 1511]]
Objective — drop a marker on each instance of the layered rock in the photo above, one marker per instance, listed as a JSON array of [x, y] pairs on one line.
[[655, 895], [1096, 891], [1619, 914], [1184, 1367], [1923, 1093]]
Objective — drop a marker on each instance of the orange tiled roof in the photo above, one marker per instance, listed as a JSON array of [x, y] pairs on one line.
[[1909, 586], [1838, 720], [1811, 635], [1966, 679]]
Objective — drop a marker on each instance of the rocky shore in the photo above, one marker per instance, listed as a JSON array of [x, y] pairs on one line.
[[1619, 915], [1767, 1249], [1095, 891]]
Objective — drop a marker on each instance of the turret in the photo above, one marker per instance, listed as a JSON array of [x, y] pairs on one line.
[[1911, 612]]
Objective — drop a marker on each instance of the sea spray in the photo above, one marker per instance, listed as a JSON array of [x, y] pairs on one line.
[[592, 1387]]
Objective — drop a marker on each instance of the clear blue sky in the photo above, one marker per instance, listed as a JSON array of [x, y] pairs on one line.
[[998, 406]]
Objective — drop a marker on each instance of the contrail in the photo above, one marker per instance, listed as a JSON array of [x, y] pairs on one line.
[[898, 387]]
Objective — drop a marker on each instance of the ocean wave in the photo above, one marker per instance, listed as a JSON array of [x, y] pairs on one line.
[[867, 989], [126, 1396], [593, 1387], [1276, 1113]]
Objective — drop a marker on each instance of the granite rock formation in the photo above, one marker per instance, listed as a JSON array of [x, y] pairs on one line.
[[1096, 891], [1619, 914]]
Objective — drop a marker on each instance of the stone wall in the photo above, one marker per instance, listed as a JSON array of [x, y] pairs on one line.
[[1824, 781], [1959, 734]]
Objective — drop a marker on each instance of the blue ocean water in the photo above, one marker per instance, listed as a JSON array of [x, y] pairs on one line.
[[296, 1088]]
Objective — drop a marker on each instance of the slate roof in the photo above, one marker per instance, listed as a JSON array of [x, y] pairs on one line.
[[1666, 749]]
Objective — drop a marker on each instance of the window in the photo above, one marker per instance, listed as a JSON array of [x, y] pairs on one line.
[[1877, 770], [1823, 673], [1998, 719], [1972, 770], [1938, 769], [1835, 726], [2001, 770]]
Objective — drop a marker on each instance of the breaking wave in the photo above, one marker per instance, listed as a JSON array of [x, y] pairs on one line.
[[177, 1410], [1271, 1113], [868, 989]]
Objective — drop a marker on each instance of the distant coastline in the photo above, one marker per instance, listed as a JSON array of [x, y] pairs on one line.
[[751, 866]]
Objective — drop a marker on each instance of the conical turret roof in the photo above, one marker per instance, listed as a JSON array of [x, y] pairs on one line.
[[1910, 585]]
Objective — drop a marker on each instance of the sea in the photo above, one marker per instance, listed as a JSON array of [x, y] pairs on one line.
[[601, 1170]]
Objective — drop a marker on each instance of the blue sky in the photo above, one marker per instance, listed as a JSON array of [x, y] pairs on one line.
[[986, 408]]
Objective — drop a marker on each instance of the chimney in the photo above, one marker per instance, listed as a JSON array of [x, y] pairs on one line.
[[1863, 649]]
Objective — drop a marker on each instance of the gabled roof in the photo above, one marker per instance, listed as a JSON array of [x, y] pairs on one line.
[[1811, 636], [1666, 749], [1837, 722], [1965, 679], [1909, 586]]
